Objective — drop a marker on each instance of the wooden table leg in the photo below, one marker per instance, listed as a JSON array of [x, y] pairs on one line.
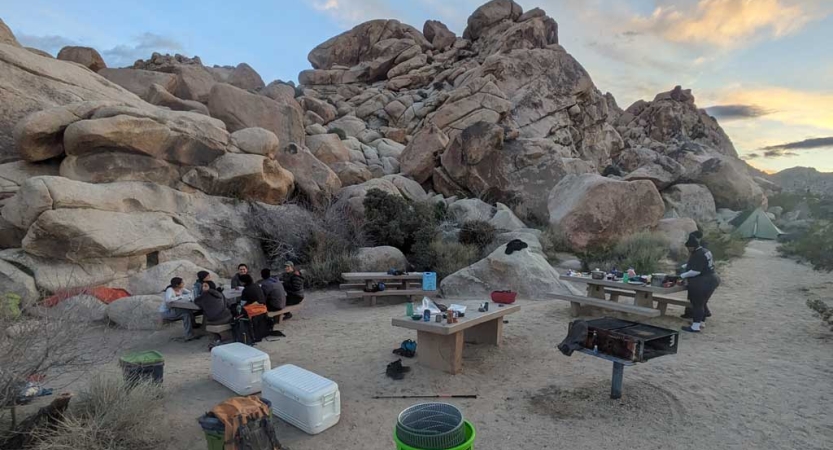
[[616, 382], [645, 299], [662, 307], [490, 332], [440, 352], [596, 291]]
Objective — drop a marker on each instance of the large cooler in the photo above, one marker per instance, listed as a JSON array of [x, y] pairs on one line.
[[239, 367], [302, 398]]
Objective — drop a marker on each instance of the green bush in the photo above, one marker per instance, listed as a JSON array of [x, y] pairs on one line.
[[449, 257], [394, 221], [478, 233], [724, 246], [644, 252], [553, 240], [815, 246]]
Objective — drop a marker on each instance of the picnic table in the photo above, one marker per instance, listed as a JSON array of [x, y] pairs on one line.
[[407, 285], [440, 345], [644, 296], [230, 294]]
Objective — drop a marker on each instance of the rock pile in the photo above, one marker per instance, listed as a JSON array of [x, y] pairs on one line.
[[157, 162]]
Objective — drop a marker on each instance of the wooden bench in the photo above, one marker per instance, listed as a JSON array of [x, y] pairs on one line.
[[576, 302], [354, 286], [662, 302], [371, 296], [278, 315]]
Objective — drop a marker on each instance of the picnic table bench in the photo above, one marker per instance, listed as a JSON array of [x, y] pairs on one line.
[[406, 285], [440, 345], [644, 297]]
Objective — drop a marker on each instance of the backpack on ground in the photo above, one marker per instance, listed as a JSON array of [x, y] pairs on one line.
[[245, 424]]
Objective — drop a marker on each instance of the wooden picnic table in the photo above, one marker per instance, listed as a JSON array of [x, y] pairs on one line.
[[230, 294], [440, 345], [368, 278], [644, 295]]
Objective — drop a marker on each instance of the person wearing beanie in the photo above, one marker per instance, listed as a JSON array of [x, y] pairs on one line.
[[701, 278]]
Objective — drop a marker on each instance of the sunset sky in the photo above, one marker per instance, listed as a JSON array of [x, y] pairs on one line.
[[763, 67]]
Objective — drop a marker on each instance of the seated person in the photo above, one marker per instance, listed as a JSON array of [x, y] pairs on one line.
[[174, 292], [293, 285], [273, 290], [202, 277], [242, 269], [252, 293], [213, 304]]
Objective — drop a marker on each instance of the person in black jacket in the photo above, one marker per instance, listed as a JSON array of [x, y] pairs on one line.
[[213, 305], [293, 284], [701, 278], [273, 290], [252, 293]]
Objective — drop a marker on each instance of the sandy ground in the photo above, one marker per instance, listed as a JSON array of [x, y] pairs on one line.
[[760, 376]]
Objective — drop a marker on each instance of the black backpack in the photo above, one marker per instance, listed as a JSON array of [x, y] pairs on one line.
[[262, 326]]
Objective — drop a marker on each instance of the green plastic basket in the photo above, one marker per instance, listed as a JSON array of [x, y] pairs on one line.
[[216, 441], [468, 445]]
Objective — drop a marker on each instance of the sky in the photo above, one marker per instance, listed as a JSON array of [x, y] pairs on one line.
[[764, 68]]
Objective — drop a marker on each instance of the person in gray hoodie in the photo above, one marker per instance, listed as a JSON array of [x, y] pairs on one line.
[[213, 305], [273, 290]]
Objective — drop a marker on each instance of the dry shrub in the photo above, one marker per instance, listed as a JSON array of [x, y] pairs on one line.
[[553, 240], [322, 242], [724, 246], [478, 233], [110, 415], [644, 252], [449, 257]]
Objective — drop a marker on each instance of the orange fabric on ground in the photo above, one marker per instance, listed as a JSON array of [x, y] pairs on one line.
[[105, 294]]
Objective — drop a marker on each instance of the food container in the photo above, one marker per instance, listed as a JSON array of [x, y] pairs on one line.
[[302, 398], [597, 275], [658, 279], [239, 367]]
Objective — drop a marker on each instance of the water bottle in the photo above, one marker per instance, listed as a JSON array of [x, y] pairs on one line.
[[409, 309], [426, 315]]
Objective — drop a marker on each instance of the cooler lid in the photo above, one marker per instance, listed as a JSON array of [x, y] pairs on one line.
[[239, 352], [300, 382]]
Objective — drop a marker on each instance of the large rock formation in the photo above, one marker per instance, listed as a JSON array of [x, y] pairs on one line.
[[30, 83], [593, 210], [81, 234], [693, 201]]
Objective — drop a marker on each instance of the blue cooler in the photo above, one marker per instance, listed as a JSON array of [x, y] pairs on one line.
[[429, 281]]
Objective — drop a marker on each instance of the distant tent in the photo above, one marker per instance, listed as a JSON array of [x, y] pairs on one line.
[[755, 224]]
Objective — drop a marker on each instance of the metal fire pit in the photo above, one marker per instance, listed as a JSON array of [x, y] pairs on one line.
[[626, 343]]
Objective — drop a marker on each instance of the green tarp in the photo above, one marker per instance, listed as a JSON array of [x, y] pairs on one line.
[[756, 224]]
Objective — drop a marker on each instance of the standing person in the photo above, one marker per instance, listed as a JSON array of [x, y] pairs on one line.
[[273, 290], [213, 304], [293, 284], [202, 277], [242, 269], [174, 292], [702, 281], [252, 293]]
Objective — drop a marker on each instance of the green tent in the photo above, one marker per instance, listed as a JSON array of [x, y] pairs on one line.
[[756, 224]]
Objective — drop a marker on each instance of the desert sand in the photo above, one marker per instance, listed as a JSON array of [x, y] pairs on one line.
[[760, 376]]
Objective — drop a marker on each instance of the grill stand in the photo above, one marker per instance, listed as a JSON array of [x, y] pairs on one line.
[[618, 371]]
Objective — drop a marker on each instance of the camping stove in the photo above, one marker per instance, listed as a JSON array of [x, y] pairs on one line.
[[629, 341]]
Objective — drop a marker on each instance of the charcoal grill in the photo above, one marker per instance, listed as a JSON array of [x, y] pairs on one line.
[[626, 343]]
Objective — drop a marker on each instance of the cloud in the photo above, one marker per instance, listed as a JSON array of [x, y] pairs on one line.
[[728, 23], [143, 46], [50, 44], [789, 106], [349, 13], [806, 144], [617, 52], [749, 156], [737, 112]]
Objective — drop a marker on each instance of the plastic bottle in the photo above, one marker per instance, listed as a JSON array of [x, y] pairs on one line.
[[409, 309], [625, 278]]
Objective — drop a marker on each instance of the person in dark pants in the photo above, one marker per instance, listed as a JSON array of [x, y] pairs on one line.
[[702, 281], [242, 269], [293, 285], [252, 293], [273, 290]]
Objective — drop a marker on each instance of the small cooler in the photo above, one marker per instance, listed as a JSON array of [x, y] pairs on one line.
[[239, 367], [429, 281], [302, 398]]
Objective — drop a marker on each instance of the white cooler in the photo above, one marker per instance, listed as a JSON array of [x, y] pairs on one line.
[[239, 367], [302, 398]]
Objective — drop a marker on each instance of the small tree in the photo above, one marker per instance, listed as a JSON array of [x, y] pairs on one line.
[[478, 233]]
